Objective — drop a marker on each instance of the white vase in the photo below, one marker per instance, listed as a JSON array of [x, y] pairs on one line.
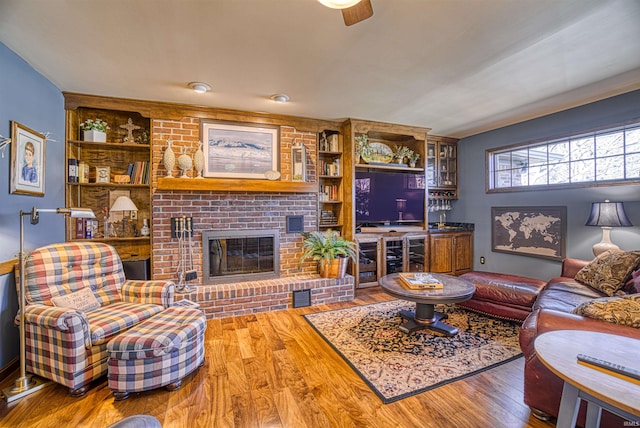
[[169, 159], [144, 230], [95, 136], [184, 163], [198, 160]]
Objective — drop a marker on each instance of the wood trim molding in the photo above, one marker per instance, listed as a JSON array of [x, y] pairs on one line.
[[360, 126], [236, 185], [11, 367], [170, 111], [7, 266]]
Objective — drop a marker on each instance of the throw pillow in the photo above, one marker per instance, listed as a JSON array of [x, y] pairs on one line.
[[622, 310], [609, 271], [633, 285], [82, 300]]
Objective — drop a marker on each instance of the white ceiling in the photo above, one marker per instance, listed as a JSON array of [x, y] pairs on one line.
[[457, 66]]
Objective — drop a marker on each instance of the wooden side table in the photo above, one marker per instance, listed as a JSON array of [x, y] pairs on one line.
[[558, 351]]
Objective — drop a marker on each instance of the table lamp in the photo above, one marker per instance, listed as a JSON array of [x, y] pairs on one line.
[[607, 215], [26, 385], [123, 204]]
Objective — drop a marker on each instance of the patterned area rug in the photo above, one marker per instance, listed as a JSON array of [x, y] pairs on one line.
[[397, 365]]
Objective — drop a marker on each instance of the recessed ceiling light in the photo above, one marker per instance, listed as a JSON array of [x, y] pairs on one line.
[[200, 87], [339, 4], [280, 98]]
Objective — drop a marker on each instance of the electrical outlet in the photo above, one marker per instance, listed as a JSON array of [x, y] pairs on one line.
[[482, 260]]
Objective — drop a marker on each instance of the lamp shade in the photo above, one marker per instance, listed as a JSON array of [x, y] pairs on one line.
[[339, 4], [71, 212], [123, 203], [608, 214]]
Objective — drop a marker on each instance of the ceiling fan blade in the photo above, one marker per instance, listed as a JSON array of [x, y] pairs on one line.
[[359, 12]]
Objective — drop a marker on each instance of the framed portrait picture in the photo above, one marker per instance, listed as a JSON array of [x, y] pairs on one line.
[[27, 160], [529, 231], [239, 150]]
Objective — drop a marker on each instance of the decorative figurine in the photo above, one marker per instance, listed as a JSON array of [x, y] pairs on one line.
[[130, 127], [169, 159], [184, 163], [198, 160]]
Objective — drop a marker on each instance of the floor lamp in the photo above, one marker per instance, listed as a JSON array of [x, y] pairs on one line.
[[26, 385]]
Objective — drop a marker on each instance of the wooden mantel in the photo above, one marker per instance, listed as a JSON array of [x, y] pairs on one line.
[[236, 185]]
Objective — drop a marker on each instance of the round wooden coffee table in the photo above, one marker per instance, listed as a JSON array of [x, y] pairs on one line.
[[455, 290]]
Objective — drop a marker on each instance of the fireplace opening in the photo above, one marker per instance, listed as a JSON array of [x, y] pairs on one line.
[[243, 255]]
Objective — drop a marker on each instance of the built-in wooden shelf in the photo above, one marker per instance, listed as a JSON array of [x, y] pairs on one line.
[[111, 240], [236, 185], [389, 166], [7, 266], [111, 145]]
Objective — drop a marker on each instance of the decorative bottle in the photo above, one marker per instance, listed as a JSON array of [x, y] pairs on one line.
[[144, 230], [169, 159], [198, 160]]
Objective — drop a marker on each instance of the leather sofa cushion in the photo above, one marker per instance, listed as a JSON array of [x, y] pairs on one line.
[[565, 294], [504, 288]]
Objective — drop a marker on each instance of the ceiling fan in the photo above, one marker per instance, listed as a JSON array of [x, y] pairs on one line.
[[353, 11]]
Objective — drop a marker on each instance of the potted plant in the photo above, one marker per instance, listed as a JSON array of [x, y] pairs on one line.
[[94, 130], [330, 250], [413, 158], [363, 147], [401, 152]]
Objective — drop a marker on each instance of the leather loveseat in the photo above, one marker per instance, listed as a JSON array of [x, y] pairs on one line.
[[551, 311]]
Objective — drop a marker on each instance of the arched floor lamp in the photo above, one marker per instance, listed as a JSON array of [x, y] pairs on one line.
[[28, 384]]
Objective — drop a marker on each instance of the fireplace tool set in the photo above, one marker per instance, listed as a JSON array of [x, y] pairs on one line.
[[182, 228]]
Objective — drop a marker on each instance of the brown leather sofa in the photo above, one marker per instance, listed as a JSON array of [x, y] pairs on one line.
[[552, 311]]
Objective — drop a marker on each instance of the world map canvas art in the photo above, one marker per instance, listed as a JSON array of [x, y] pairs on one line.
[[529, 231]]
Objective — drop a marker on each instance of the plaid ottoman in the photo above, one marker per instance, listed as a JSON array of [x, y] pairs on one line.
[[159, 351]]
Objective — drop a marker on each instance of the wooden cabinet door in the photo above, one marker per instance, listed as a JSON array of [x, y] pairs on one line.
[[416, 257], [393, 255], [368, 268], [463, 253], [441, 253]]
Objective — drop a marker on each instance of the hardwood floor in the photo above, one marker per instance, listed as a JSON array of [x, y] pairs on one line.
[[273, 370]]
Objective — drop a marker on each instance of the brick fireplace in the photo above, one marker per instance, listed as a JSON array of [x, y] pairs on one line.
[[240, 255], [238, 211]]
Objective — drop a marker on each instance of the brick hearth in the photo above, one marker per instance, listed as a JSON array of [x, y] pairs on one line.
[[244, 298]]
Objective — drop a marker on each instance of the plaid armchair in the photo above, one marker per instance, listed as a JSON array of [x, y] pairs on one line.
[[77, 299]]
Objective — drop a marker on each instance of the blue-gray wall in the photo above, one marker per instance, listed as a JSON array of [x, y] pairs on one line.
[[31, 100], [475, 204]]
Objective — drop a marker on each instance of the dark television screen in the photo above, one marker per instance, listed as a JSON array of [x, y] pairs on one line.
[[389, 197]]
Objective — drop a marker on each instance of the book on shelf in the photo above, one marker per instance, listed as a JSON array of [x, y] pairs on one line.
[[72, 170], [420, 281], [83, 172], [80, 228], [139, 172]]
